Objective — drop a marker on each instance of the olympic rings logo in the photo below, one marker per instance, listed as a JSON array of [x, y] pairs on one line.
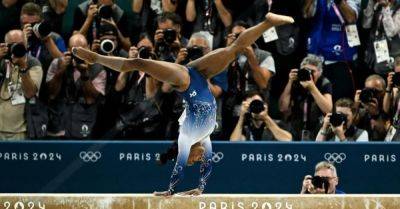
[[90, 156], [217, 156], [335, 157]]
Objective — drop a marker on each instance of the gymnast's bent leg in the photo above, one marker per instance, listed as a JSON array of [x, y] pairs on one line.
[[216, 61], [174, 74]]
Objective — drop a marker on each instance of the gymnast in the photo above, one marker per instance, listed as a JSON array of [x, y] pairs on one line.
[[199, 118]]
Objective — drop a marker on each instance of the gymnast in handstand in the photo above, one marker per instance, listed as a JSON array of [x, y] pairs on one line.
[[199, 118]]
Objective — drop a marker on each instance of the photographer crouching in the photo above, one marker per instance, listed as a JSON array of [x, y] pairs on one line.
[[254, 122], [324, 181], [338, 126]]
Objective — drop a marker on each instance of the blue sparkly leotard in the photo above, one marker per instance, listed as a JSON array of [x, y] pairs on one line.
[[197, 123]]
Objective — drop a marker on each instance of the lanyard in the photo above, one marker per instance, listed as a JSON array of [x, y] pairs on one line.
[[338, 14], [37, 54]]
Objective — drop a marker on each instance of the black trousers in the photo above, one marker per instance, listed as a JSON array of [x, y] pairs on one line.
[[341, 76]]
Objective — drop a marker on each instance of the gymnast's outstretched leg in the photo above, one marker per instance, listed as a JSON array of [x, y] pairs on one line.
[[216, 61], [174, 74]]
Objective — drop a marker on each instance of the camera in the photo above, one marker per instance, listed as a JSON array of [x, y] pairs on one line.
[[396, 79], [169, 35], [16, 49], [304, 74], [368, 94], [338, 119], [77, 60], [256, 106], [320, 182], [144, 52], [40, 30], [107, 46], [105, 11], [194, 52]]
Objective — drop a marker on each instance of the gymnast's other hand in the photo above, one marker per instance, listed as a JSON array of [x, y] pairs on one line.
[[193, 192], [85, 54], [163, 193]]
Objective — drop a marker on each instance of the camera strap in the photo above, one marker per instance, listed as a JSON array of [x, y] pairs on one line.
[[37, 54], [305, 112]]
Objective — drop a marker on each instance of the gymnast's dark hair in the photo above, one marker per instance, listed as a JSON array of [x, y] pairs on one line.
[[170, 154]]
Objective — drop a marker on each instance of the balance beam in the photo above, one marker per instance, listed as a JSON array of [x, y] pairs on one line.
[[212, 201]]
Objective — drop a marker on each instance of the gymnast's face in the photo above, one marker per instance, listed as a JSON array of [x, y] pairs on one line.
[[196, 154]]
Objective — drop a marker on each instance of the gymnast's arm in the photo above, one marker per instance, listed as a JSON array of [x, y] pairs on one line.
[[183, 155], [206, 165]]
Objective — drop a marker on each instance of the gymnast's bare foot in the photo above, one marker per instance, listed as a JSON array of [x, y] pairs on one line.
[[85, 54], [277, 20]]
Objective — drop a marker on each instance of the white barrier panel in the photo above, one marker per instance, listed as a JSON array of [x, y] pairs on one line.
[[215, 201]]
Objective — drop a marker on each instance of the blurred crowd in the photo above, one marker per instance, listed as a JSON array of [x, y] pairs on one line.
[[333, 75]]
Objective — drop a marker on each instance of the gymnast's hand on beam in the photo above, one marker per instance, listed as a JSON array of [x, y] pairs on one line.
[[193, 192], [164, 193]]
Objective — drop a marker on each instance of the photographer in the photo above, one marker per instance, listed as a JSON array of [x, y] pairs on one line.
[[382, 18], [391, 100], [369, 102], [140, 115], [74, 88], [90, 14], [168, 38], [252, 70], [20, 79], [255, 124], [383, 130], [324, 181], [306, 98], [330, 20], [210, 17], [43, 44], [197, 47], [53, 13], [339, 125], [9, 16]]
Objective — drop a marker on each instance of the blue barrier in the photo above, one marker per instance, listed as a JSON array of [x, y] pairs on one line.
[[130, 167]]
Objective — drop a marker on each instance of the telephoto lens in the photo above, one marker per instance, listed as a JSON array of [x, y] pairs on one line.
[[16, 49], [256, 106], [105, 12], [42, 29], [144, 52], [107, 46]]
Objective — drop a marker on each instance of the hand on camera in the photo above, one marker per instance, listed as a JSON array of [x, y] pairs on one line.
[[309, 187], [96, 45], [92, 11], [3, 50], [133, 52], [390, 81], [65, 61], [245, 107], [293, 75], [182, 54], [327, 121], [27, 30], [159, 36]]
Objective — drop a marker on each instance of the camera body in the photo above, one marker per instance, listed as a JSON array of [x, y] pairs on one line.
[[16, 49], [40, 30], [338, 119], [304, 74], [169, 35], [194, 52], [396, 79], [368, 94], [321, 182], [256, 106]]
